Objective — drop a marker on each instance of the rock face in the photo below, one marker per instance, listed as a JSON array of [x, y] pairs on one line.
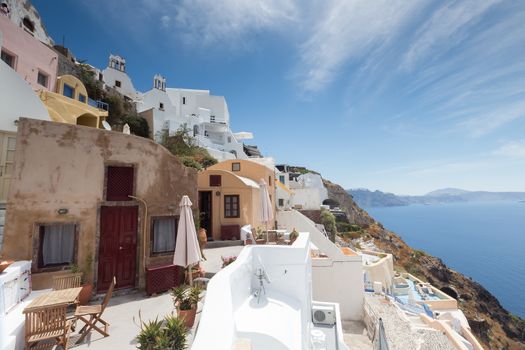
[[355, 214], [490, 322]]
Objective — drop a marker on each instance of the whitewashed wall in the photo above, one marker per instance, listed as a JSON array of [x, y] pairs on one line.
[[18, 100]]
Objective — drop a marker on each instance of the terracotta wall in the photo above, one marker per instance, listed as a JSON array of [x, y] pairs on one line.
[[63, 166]]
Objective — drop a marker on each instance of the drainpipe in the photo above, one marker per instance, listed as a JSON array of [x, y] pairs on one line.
[[143, 230]]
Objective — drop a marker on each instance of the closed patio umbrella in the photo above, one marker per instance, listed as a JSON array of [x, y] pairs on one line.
[[187, 251], [266, 213]]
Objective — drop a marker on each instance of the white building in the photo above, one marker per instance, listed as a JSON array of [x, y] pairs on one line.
[[205, 116], [115, 76], [308, 191]]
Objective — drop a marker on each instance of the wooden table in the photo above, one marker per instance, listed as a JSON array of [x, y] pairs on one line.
[[57, 297]]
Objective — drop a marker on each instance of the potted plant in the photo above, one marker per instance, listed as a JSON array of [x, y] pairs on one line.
[[196, 271], [87, 287], [259, 236], [228, 260], [186, 300], [293, 235], [170, 333]]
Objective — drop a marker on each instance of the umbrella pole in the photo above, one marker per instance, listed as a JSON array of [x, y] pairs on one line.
[[267, 233], [190, 276]]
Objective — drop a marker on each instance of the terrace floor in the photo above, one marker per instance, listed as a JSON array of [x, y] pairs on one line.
[[122, 314]]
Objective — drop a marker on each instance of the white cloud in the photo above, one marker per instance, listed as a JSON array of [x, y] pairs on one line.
[[512, 149], [165, 21], [346, 30], [444, 28], [205, 22], [486, 122]]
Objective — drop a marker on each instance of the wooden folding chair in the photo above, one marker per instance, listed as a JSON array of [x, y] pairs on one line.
[[94, 312], [46, 326], [67, 281]]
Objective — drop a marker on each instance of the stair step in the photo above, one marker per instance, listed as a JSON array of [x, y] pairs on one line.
[[220, 244]]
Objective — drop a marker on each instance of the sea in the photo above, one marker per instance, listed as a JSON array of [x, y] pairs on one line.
[[482, 240]]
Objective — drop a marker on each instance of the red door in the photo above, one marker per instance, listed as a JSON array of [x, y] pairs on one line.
[[117, 247]]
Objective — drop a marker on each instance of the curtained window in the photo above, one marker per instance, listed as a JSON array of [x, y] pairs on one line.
[[57, 245], [231, 206], [164, 235]]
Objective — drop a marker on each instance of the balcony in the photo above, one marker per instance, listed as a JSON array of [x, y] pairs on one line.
[[98, 104]]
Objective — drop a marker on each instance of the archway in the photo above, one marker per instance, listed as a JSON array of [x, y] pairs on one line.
[[88, 120]]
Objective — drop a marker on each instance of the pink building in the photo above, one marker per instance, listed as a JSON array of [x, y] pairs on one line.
[[35, 62]]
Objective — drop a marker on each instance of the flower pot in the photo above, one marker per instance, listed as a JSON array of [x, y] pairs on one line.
[[248, 241], [188, 316], [260, 241], [85, 294]]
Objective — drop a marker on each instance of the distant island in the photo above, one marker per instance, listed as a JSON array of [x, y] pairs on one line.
[[367, 198]]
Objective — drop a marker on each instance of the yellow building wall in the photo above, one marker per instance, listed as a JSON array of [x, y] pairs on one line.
[[68, 110], [253, 171], [249, 202]]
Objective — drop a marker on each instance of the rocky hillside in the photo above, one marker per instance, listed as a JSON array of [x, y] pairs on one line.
[[492, 324]]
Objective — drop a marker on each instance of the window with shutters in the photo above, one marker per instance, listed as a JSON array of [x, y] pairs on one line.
[[119, 184], [231, 206], [215, 181]]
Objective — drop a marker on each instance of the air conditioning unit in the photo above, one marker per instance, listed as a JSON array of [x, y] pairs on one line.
[[322, 314]]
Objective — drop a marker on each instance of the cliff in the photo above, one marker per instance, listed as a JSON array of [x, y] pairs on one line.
[[490, 322]]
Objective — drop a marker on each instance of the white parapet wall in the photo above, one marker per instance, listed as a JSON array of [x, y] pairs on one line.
[[337, 277]]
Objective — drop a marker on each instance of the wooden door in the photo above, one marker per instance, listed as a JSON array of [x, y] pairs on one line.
[[117, 247], [205, 212], [7, 159]]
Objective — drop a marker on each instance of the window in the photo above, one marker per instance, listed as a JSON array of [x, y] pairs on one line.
[[119, 184], [82, 98], [9, 59], [269, 180], [163, 235], [28, 24], [42, 79], [236, 166], [68, 91], [231, 206], [215, 181], [184, 100], [281, 202], [56, 245], [281, 179], [229, 139], [100, 76], [118, 83], [161, 106]]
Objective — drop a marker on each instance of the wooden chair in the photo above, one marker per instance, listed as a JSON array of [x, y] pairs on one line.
[[94, 312], [67, 281], [46, 326]]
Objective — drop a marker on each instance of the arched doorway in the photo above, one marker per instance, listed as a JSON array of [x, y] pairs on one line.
[[88, 120]]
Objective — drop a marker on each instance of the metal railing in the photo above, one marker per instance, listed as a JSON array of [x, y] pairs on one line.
[[98, 104]]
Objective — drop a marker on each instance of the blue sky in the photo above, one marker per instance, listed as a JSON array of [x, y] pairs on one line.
[[405, 96]]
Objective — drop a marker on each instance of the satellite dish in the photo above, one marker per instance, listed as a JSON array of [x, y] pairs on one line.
[[106, 125]]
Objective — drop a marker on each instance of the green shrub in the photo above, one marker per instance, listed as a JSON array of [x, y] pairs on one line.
[[328, 220], [181, 145], [137, 125]]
